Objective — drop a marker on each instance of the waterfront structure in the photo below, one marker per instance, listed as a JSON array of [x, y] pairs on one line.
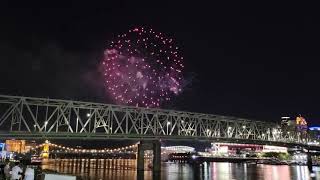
[[45, 150], [3, 152], [314, 128], [314, 133], [235, 148], [177, 149], [40, 118], [17, 146], [297, 127]]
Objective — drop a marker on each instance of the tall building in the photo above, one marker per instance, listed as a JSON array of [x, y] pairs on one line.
[[314, 132], [295, 127], [3, 152]]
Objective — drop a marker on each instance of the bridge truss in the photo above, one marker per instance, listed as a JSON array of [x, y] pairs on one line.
[[28, 117]]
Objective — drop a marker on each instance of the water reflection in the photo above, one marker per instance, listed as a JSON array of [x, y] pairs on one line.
[[95, 168], [119, 169]]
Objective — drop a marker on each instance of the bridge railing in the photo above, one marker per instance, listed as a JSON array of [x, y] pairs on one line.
[[49, 116]]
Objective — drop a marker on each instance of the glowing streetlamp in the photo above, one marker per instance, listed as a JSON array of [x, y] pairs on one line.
[[45, 125], [208, 132], [168, 124]]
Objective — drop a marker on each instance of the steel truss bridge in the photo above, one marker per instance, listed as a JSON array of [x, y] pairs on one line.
[[40, 118]]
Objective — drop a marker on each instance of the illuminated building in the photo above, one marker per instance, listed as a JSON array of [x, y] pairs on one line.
[[314, 133], [267, 148], [177, 149], [234, 148], [167, 151], [301, 123], [314, 128], [285, 121], [17, 146], [2, 151], [297, 127], [2, 146], [45, 150]]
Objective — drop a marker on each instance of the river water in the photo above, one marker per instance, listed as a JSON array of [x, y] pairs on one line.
[[125, 169]]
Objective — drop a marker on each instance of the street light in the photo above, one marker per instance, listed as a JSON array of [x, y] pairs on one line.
[[88, 114], [77, 122], [45, 125], [208, 132], [168, 124], [229, 129]]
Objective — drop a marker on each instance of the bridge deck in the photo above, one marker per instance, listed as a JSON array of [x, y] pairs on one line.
[[35, 118]]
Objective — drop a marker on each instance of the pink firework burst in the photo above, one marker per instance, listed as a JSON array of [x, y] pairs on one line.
[[142, 68]]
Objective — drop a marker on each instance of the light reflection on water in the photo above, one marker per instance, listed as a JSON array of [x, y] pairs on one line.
[[125, 169]]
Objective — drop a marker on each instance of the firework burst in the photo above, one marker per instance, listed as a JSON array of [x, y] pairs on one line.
[[142, 68]]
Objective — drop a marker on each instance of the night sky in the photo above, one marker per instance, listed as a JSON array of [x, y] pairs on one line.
[[260, 64]]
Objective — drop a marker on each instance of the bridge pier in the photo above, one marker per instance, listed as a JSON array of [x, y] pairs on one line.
[[309, 161], [157, 156], [140, 157], [156, 148]]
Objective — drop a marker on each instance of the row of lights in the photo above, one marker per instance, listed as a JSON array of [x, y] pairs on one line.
[[78, 150], [275, 131], [98, 151], [179, 157], [229, 128]]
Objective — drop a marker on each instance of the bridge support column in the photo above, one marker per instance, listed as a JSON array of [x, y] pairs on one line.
[[156, 156], [309, 161], [140, 158], [149, 145]]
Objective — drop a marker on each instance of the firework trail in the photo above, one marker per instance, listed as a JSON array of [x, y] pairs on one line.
[[142, 68]]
